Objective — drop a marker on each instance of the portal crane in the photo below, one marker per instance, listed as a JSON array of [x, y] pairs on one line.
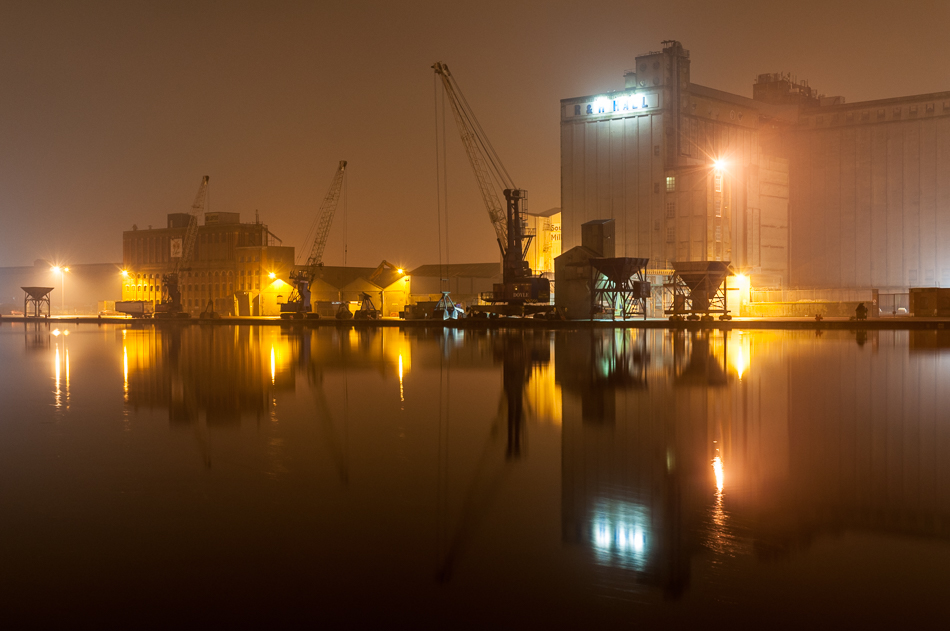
[[520, 292], [170, 306], [298, 305]]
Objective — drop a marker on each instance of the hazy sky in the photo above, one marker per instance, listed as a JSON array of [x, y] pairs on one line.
[[110, 112]]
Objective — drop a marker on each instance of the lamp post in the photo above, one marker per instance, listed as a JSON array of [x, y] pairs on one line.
[[62, 272]]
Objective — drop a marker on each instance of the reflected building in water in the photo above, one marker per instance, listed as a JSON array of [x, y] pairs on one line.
[[677, 444], [221, 374]]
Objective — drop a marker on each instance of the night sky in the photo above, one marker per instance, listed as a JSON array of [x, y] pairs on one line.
[[111, 112]]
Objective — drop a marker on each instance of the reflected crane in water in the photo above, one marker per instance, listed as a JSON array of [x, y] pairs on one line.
[[324, 415], [518, 351]]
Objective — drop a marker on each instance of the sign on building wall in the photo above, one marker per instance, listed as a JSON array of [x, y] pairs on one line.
[[176, 247]]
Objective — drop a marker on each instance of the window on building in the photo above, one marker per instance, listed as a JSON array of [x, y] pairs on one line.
[[718, 207], [719, 251], [671, 209], [670, 184], [671, 235], [718, 233], [656, 187], [719, 182]]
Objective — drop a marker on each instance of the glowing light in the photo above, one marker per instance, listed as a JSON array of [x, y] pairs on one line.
[[125, 369], [719, 164], [65, 269], [272, 276], [400, 270], [717, 468], [401, 393], [58, 392], [55, 269], [638, 541], [125, 273], [273, 366], [743, 282], [601, 105], [56, 332]]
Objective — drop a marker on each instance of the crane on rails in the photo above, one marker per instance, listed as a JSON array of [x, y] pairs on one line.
[[298, 304], [521, 292], [182, 249]]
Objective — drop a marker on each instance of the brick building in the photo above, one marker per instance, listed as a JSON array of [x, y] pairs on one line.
[[237, 266]]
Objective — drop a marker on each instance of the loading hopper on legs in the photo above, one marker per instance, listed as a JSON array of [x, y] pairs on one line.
[[38, 298], [617, 285], [699, 290]]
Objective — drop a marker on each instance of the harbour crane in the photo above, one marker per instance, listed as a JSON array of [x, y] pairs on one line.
[[182, 249], [521, 292], [298, 305]]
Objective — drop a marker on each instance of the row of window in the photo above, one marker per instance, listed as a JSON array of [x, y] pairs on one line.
[[671, 233]]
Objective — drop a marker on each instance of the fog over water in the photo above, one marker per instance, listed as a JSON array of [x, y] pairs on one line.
[[473, 477]]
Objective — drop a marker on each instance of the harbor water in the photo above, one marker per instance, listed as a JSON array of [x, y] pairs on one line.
[[473, 477]]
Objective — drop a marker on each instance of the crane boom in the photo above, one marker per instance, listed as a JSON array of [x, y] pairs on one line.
[[298, 305], [327, 209], [191, 234], [519, 285], [170, 305], [489, 172]]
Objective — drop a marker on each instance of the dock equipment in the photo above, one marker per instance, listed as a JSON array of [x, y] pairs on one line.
[[699, 290], [36, 297], [446, 309], [367, 310], [298, 305], [519, 287], [618, 285]]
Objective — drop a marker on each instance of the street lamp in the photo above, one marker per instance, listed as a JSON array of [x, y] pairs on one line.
[[62, 272]]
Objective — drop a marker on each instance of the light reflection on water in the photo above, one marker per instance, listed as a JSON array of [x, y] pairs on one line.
[[601, 471]]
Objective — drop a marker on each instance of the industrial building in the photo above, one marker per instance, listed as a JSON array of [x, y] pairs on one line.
[[235, 266], [794, 189]]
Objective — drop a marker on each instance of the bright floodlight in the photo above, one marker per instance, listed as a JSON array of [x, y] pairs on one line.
[[719, 164], [54, 269], [400, 270], [272, 275], [125, 273]]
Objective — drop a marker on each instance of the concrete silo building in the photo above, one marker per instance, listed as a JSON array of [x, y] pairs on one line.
[[794, 189]]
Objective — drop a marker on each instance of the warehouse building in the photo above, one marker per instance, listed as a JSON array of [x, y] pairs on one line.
[[237, 267], [794, 189]]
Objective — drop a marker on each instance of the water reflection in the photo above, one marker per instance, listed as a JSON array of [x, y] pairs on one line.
[[621, 463]]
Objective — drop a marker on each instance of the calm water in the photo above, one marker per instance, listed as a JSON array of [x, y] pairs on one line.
[[474, 478]]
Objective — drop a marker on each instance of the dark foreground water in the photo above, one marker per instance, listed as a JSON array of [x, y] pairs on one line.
[[489, 479]]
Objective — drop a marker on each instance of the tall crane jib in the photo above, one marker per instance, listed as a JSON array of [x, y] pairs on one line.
[[299, 303], [519, 285], [181, 252]]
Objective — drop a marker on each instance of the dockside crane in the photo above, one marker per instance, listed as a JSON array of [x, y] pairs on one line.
[[521, 291], [182, 249], [298, 305]]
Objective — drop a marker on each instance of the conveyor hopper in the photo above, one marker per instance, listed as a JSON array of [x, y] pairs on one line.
[[698, 288], [36, 297]]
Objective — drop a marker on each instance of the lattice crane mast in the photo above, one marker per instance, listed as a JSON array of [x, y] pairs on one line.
[[298, 305], [170, 306], [519, 285]]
